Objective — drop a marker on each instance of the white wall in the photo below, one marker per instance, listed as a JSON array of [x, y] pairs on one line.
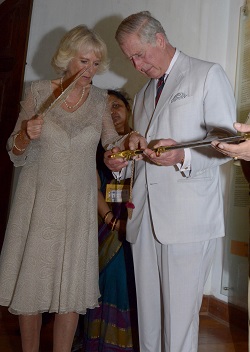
[[206, 29], [199, 28]]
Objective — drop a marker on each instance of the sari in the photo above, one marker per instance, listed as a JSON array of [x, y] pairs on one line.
[[112, 327]]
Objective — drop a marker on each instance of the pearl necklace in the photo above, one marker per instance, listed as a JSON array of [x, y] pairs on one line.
[[73, 106]]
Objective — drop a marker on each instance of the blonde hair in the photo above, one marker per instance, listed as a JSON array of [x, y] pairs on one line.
[[79, 38]]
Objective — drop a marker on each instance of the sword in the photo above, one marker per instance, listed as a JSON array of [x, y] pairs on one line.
[[129, 154], [59, 99]]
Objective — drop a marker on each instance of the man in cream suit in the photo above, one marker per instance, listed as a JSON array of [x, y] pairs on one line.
[[178, 212]]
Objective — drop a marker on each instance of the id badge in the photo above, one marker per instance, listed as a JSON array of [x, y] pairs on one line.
[[117, 193]]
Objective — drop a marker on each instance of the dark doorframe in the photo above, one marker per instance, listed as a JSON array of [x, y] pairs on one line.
[[15, 18]]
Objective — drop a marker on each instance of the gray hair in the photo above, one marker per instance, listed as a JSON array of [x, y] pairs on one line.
[[142, 24], [79, 38]]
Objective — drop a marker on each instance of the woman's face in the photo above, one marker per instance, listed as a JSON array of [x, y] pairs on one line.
[[119, 114], [86, 62]]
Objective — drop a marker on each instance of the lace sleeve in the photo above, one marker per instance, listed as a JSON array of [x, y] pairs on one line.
[[27, 112]]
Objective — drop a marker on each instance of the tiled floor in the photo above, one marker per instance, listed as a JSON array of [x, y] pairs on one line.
[[215, 336]]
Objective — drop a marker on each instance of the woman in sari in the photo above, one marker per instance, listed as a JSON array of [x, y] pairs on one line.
[[113, 325]]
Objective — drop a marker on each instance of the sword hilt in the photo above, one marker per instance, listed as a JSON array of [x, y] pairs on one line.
[[129, 154]]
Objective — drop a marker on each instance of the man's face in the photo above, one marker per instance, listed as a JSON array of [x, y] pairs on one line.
[[146, 58]]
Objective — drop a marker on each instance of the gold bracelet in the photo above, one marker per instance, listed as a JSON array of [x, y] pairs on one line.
[[110, 224], [106, 215], [133, 132], [15, 146], [113, 224], [22, 139]]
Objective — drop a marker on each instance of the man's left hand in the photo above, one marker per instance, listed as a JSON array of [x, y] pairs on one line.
[[167, 158]]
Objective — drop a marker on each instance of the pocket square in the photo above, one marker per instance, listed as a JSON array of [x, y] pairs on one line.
[[178, 96]]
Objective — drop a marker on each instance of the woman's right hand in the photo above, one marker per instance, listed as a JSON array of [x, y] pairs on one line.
[[34, 127], [114, 164]]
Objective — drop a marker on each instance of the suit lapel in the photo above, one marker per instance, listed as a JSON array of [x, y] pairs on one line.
[[175, 77], [148, 100]]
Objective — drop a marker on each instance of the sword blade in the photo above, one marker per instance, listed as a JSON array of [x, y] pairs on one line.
[[198, 144]]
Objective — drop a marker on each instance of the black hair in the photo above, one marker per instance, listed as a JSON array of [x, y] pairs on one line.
[[122, 95]]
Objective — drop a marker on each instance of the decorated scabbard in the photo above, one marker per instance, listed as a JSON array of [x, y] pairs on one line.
[[130, 154]]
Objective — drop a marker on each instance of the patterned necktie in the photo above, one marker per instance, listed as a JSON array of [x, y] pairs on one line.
[[159, 87]]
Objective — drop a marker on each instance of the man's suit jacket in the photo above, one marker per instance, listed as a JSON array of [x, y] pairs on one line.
[[197, 102]]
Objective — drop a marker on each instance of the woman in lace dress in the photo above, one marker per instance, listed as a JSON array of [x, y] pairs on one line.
[[49, 260]]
